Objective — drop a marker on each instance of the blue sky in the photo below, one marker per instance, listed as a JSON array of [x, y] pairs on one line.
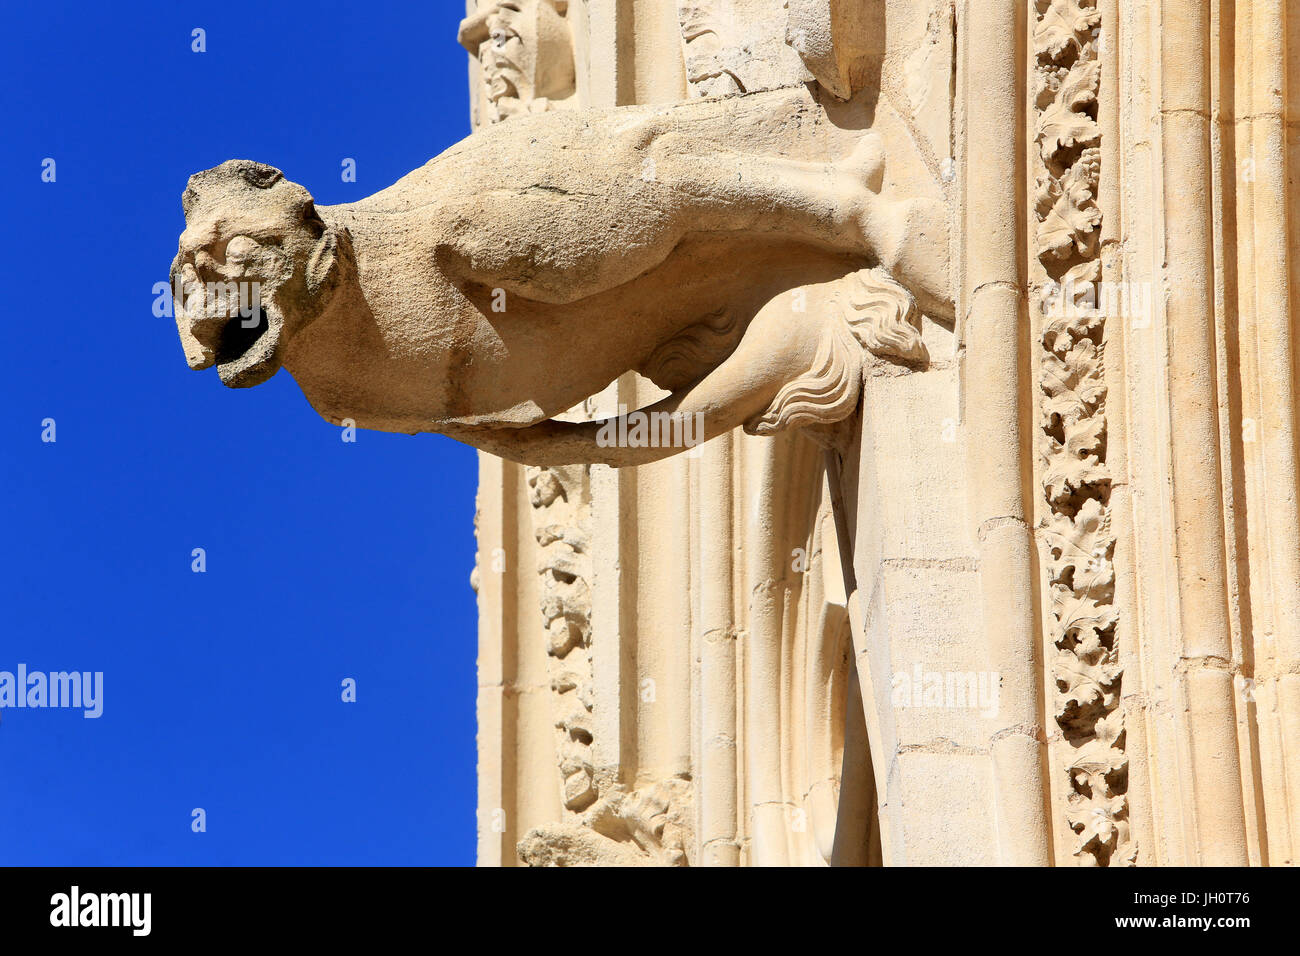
[[325, 560]]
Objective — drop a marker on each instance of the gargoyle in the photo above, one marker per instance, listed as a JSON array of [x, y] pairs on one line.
[[530, 265]]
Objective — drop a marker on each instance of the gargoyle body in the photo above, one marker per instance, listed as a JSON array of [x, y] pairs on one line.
[[527, 267]]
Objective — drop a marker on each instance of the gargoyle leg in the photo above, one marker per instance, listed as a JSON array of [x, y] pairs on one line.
[[838, 205], [824, 203], [774, 352]]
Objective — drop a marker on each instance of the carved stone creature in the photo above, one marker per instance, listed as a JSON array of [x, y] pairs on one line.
[[525, 54], [528, 266], [648, 827]]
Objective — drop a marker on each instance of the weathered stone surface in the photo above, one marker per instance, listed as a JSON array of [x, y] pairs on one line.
[[984, 550]]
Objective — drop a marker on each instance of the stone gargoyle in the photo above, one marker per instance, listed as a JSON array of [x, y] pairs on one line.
[[527, 267]]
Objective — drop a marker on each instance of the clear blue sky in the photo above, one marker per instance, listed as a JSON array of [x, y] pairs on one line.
[[325, 560]]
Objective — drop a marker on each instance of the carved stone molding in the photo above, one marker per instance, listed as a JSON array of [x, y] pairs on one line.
[[561, 511], [736, 46], [603, 822], [1076, 537], [647, 827]]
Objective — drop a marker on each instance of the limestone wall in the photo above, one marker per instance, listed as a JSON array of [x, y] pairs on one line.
[[1038, 602]]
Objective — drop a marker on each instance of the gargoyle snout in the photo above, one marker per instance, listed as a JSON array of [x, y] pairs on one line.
[[241, 249], [197, 238], [225, 313], [201, 244], [217, 259]]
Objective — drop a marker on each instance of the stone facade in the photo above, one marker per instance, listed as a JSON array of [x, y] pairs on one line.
[[1136, 726], [954, 519]]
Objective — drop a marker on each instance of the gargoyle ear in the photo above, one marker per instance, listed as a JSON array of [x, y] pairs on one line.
[[325, 266]]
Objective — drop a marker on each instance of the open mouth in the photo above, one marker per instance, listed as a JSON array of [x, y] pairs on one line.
[[247, 351], [227, 318]]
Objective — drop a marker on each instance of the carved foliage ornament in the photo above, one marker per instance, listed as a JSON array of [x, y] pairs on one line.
[[1076, 536], [602, 823], [560, 516]]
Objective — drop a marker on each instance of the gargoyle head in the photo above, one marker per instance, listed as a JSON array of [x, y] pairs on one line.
[[256, 264]]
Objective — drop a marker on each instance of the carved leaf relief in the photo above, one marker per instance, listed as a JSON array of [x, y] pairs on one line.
[[1067, 209], [1073, 382], [1061, 22], [1069, 92], [1083, 682], [1083, 619], [1066, 318], [1071, 464]]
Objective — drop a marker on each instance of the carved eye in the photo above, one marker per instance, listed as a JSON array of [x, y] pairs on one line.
[[260, 175]]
